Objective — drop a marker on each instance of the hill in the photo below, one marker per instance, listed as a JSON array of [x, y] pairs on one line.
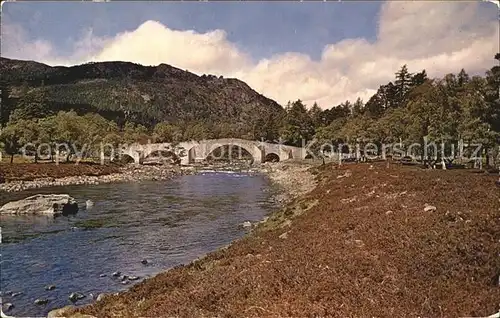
[[145, 95]]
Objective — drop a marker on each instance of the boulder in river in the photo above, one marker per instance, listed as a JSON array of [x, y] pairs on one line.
[[41, 301], [47, 204], [246, 224], [7, 306], [89, 204], [76, 296]]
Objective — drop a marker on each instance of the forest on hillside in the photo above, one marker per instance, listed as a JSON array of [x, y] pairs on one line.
[[410, 109]]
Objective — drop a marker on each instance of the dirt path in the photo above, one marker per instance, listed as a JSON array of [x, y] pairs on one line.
[[367, 241]]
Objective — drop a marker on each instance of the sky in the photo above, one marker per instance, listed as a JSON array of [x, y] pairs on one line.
[[324, 52]]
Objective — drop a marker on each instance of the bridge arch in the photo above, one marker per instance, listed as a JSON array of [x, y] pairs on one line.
[[272, 157], [229, 152], [199, 151], [249, 146], [161, 156], [126, 158]]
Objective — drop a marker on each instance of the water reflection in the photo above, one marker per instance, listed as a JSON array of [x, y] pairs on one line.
[[169, 223]]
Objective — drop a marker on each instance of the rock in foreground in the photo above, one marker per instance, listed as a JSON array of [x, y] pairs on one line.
[[46, 204]]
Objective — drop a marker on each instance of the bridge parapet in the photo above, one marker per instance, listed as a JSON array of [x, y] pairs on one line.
[[189, 151]]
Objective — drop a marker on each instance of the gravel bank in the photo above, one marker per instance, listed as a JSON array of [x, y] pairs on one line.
[[294, 179], [128, 173]]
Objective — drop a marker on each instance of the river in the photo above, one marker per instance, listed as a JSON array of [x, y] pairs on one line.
[[165, 222]]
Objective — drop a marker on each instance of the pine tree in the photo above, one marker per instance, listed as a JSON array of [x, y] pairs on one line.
[[357, 107], [403, 83], [418, 79], [463, 78], [316, 115]]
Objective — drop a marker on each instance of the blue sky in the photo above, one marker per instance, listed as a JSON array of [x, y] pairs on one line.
[[325, 52], [262, 29]]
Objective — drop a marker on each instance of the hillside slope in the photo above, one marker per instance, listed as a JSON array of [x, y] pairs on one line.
[[141, 94]]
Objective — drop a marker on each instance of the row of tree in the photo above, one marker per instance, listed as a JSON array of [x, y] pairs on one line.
[[411, 109]]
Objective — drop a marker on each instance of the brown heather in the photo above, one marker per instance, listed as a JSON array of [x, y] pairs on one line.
[[359, 245]]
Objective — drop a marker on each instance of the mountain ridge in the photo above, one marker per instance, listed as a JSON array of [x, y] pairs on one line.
[[142, 94]]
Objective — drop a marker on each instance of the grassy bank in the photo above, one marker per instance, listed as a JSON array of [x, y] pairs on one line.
[[367, 241]]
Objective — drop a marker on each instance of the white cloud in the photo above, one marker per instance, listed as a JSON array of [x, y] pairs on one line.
[[440, 37]]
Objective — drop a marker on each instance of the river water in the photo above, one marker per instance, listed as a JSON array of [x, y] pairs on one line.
[[165, 222]]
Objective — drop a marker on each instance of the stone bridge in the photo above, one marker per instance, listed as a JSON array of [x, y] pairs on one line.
[[193, 151]]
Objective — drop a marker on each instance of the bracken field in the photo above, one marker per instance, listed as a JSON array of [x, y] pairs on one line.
[[366, 242], [32, 171]]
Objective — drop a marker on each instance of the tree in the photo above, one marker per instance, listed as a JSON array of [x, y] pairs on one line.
[[164, 132], [477, 124], [98, 128], [10, 137], [462, 78], [403, 83], [48, 131], [30, 135], [418, 79], [492, 95], [298, 126], [316, 115], [70, 132], [5, 105], [357, 107], [375, 106], [196, 131], [133, 133], [34, 104], [391, 128]]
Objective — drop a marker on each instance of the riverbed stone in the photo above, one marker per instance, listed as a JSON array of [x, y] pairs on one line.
[[50, 287], [76, 296], [89, 204], [116, 274], [284, 236], [41, 301], [7, 306], [60, 312], [428, 208], [46, 204]]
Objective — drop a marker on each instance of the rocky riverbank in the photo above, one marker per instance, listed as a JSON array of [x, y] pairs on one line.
[[292, 179], [127, 173]]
